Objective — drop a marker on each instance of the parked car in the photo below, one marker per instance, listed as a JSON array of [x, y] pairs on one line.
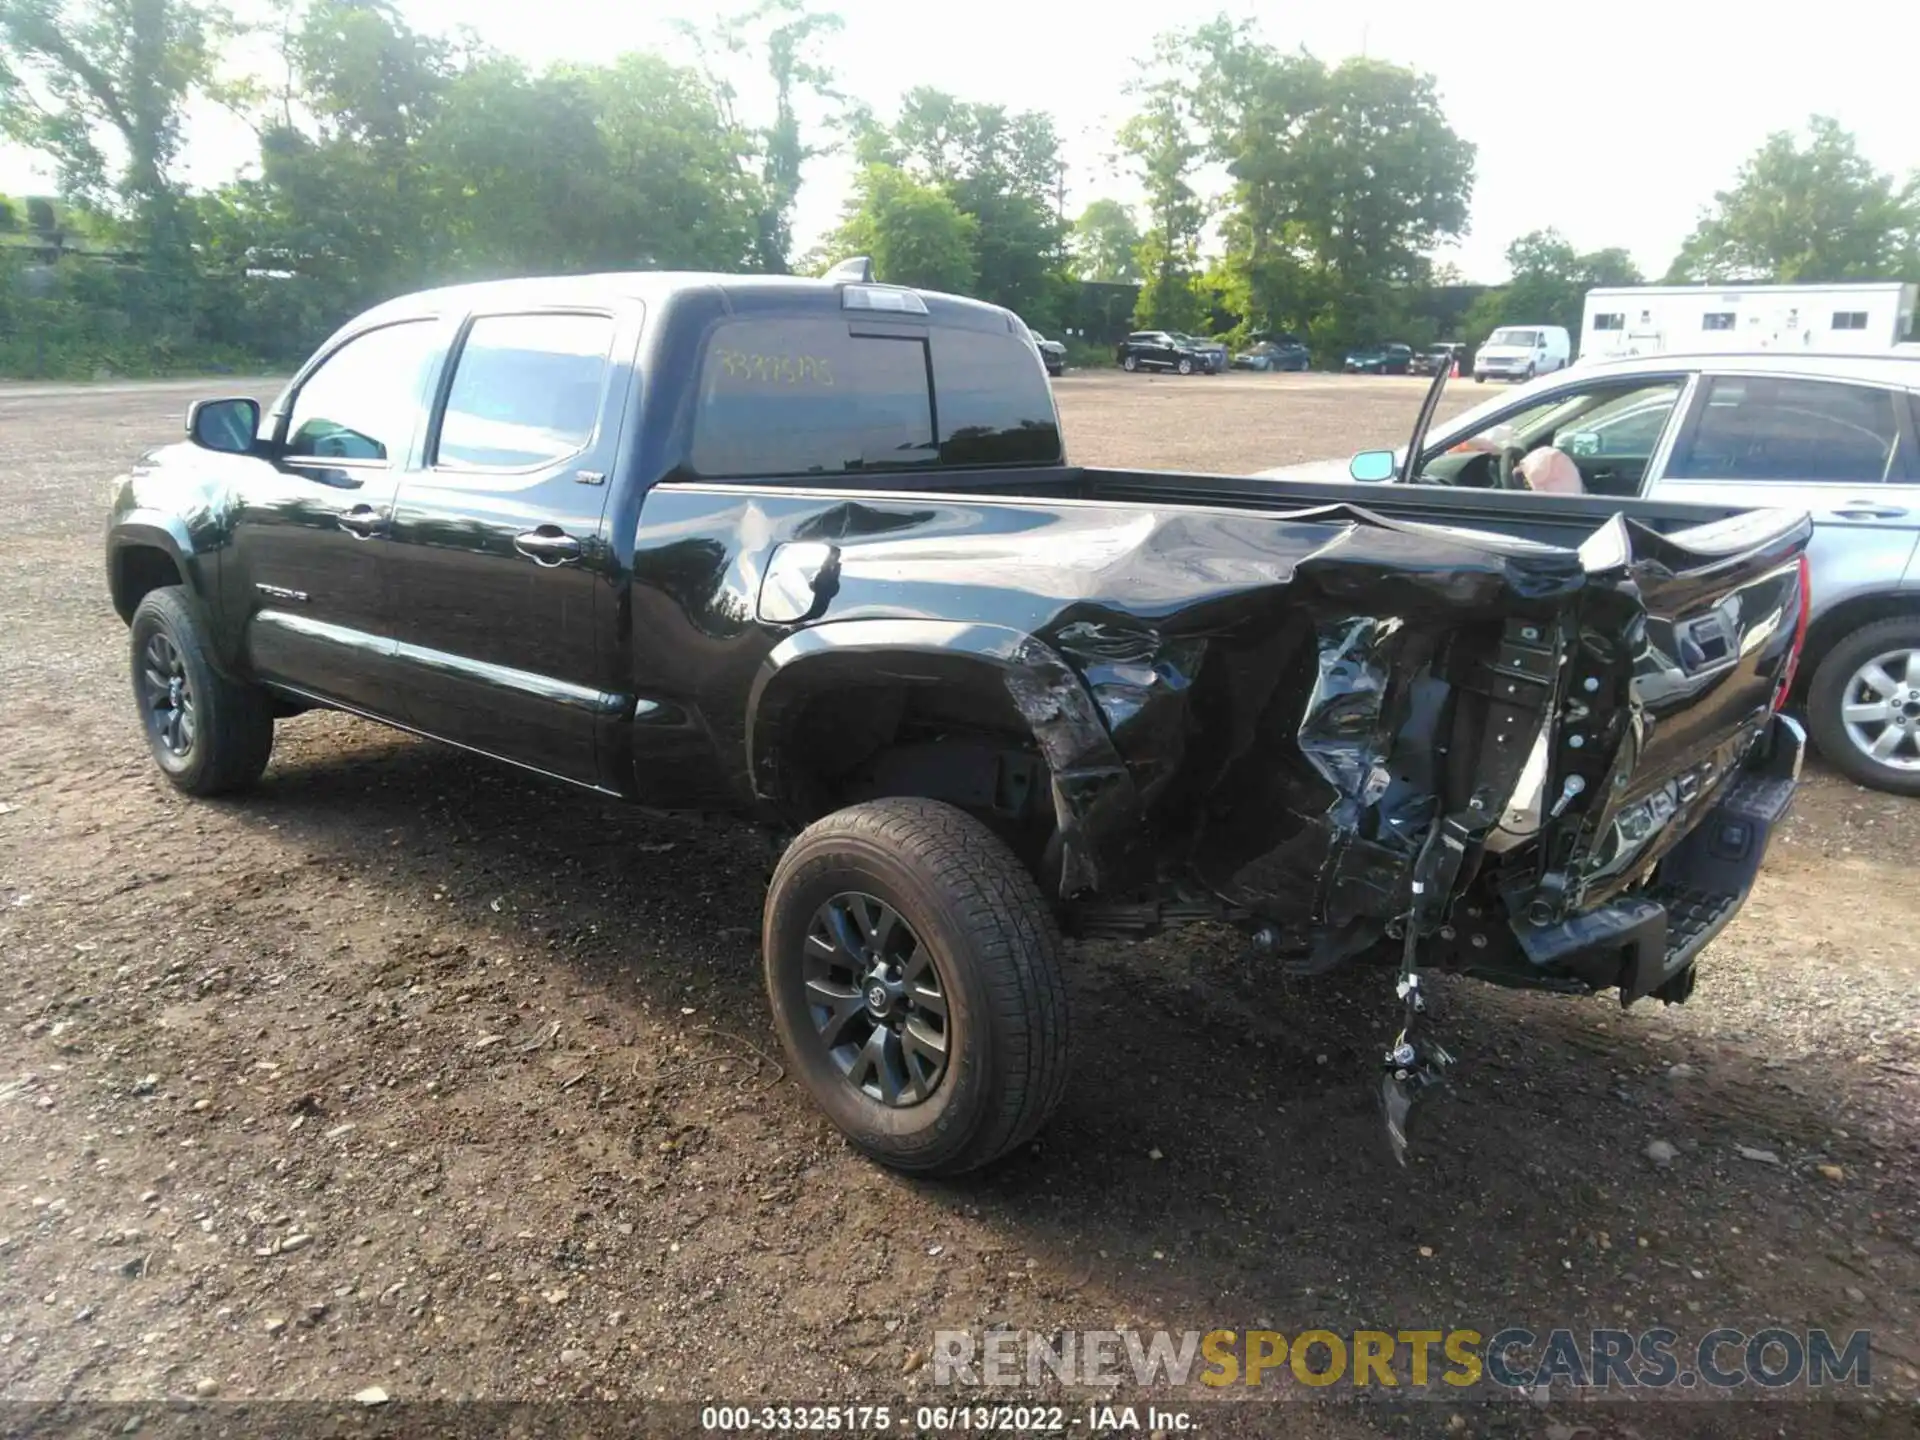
[[1522, 352], [1212, 353], [809, 550], [1274, 355], [1379, 360], [1435, 358], [1052, 353], [1157, 350], [1834, 435]]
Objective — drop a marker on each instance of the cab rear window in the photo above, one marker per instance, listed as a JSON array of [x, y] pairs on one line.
[[807, 396]]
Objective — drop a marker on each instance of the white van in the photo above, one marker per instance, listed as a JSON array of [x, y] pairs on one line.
[[1520, 352]]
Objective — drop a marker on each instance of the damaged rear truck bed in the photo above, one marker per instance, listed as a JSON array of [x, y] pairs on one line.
[[809, 550]]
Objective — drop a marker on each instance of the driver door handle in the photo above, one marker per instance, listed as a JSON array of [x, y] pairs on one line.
[[547, 545], [1868, 510], [363, 521]]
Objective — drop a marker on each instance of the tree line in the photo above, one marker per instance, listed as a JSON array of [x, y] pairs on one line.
[[1280, 193]]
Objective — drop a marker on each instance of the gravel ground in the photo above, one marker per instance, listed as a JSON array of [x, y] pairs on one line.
[[412, 1072]]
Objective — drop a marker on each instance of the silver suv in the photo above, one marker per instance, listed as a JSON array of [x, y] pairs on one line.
[[1835, 435]]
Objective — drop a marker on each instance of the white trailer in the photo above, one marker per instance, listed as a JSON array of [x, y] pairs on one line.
[[1688, 319]]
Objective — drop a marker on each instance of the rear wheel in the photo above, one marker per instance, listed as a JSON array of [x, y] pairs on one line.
[[1863, 707], [209, 734], [1185, 367], [1131, 362], [914, 975]]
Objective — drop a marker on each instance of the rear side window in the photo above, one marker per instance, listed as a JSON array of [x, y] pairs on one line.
[[806, 396], [1806, 431], [526, 390], [362, 401]]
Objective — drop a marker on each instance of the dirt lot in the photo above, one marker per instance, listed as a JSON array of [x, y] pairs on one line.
[[413, 1072]]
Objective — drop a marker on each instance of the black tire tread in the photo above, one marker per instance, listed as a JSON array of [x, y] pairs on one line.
[[1823, 702], [1016, 950], [235, 719]]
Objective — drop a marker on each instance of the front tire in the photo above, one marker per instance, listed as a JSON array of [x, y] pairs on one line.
[[914, 974], [1185, 367], [1863, 707], [209, 734]]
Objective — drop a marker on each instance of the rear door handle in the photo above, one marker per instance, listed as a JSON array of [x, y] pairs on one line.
[[547, 545], [363, 521], [1868, 510]]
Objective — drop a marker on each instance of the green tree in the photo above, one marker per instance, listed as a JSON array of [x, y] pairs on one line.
[[1818, 212], [83, 79], [1344, 180], [783, 34], [1165, 148], [679, 184], [1001, 170], [1104, 240], [912, 231]]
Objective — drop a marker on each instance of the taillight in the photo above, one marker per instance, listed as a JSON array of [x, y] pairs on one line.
[[1799, 636]]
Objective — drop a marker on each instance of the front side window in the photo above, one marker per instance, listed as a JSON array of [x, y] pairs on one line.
[[1609, 432], [804, 396], [361, 403], [526, 390], [1764, 428]]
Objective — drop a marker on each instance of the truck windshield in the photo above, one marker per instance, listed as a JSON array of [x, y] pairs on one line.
[[1513, 337]]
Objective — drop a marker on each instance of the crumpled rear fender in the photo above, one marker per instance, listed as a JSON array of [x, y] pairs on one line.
[[1097, 805]]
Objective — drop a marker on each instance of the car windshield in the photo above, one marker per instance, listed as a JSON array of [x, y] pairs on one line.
[[1513, 337]]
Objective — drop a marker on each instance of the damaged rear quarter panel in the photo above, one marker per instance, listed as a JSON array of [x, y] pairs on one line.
[[1219, 695]]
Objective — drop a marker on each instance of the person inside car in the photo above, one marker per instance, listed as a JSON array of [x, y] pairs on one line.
[[1543, 469]]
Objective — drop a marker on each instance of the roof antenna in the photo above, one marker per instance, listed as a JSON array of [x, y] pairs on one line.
[[857, 271]]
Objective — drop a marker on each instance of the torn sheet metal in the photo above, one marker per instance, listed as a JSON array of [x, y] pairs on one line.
[[1266, 708]]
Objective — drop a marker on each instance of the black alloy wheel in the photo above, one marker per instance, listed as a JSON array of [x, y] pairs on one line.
[[877, 998], [166, 698]]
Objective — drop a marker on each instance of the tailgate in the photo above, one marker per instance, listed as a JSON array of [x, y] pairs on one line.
[[1684, 643]]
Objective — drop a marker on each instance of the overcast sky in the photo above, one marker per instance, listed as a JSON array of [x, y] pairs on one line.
[[1614, 123]]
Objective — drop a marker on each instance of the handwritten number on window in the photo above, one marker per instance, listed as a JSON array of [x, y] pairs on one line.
[[770, 370]]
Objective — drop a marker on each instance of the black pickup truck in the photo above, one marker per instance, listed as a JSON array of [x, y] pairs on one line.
[[809, 550]]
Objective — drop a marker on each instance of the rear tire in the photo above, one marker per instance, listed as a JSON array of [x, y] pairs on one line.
[[1839, 683], [977, 934], [209, 734], [1130, 363], [1185, 367]]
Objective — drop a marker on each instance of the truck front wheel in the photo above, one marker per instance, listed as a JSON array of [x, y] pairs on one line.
[[914, 973], [208, 733]]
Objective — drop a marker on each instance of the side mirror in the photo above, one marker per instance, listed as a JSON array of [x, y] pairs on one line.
[[228, 426], [1372, 466]]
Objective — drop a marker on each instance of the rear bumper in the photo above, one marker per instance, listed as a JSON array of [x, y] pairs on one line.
[[1646, 943]]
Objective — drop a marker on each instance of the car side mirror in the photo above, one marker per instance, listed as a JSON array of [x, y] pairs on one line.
[[228, 426], [1372, 466]]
